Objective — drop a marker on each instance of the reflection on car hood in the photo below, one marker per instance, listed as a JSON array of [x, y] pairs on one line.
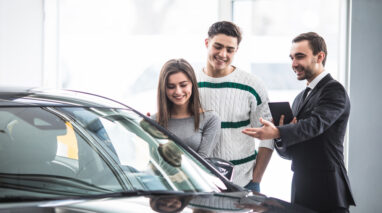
[[122, 204], [187, 202], [222, 202], [135, 204]]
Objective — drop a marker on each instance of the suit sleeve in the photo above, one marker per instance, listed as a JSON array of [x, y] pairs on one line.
[[318, 116]]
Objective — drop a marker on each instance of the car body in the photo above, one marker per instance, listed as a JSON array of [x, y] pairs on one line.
[[70, 151]]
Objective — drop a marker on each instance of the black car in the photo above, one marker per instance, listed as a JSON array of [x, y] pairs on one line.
[[68, 151]]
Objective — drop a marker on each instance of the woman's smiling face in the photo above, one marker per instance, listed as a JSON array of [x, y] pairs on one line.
[[179, 89]]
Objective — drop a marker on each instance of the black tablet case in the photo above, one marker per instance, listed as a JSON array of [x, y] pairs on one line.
[[278, 109]]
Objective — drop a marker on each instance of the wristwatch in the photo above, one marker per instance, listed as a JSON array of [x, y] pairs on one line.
[[278, 142]]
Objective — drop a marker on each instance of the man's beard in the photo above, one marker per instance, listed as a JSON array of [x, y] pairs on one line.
[[308, 73]]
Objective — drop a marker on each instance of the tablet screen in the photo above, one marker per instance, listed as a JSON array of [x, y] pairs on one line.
[[278, 109]]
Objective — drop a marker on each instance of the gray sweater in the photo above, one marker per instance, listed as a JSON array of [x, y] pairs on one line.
[[204, 140]]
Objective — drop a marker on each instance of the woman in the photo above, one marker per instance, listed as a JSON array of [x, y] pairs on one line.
[[179, 108]]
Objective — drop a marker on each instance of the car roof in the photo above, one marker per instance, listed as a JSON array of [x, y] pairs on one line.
[[19, 96]]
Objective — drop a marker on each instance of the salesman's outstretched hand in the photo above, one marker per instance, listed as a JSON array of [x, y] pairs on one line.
[[268, 131]]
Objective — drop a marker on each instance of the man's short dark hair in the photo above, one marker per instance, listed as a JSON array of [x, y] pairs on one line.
[[316, 43], [226, 28]]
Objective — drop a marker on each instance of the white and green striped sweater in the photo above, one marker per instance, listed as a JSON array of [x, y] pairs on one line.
[[240, 99]]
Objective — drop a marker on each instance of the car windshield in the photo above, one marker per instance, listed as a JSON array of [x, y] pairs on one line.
[[75, 151]]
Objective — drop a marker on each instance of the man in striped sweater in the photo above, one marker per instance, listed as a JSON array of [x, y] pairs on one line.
[[240, 99]]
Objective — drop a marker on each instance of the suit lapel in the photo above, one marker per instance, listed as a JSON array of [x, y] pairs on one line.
[[320, 84]]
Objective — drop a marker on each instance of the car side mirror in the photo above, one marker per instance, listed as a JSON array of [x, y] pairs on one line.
[[225, 168]]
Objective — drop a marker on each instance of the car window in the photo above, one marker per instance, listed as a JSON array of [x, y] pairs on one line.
[[35, 148], [138, 146], [84, 150]]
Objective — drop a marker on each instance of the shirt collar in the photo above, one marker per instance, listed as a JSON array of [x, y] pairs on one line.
[[315, 81]]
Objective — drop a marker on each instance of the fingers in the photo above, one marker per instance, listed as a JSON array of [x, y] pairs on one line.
[[281, 122], [253, 132], [262, 132], [265, 122], [250, 131]]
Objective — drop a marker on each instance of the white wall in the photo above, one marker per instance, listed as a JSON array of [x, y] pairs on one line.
[[365, 167], [21, 23]]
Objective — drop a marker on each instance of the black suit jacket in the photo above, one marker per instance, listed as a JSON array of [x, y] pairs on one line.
[[315, 146]]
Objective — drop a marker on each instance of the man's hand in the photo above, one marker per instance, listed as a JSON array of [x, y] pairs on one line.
[[281, 122], [268, 131], [254, 186]]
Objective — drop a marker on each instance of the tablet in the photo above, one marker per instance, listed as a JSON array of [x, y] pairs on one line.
[[278, 109]]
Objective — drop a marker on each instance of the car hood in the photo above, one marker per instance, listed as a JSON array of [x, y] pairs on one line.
[[242, 201], [221, 202]]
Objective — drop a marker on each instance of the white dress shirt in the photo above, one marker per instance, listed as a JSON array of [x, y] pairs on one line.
[[315, 81]]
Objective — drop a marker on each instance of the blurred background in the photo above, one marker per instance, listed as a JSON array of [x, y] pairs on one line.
[[116, 48]]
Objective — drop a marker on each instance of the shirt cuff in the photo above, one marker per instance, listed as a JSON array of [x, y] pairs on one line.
[[267, 144]]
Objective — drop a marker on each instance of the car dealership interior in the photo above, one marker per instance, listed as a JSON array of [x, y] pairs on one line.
[[116, 48]]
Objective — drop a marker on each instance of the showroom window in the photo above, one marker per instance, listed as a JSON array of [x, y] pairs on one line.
[[117, 47]]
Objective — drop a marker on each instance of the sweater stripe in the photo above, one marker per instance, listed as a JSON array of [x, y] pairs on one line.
[[231, 85], [226, 125], [244, 160]]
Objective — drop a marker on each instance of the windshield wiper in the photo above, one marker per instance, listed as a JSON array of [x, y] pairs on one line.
[[49, 184]]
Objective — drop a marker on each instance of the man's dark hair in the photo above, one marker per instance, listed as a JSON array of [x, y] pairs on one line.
[[226, 28], [316, 43]]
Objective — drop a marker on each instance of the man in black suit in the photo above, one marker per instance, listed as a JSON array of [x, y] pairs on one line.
[[314, 139]]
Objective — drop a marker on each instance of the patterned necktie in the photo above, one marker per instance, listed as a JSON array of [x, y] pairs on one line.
[[307, 89]]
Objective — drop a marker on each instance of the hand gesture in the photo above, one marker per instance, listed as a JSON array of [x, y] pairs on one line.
[[267, 131]]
